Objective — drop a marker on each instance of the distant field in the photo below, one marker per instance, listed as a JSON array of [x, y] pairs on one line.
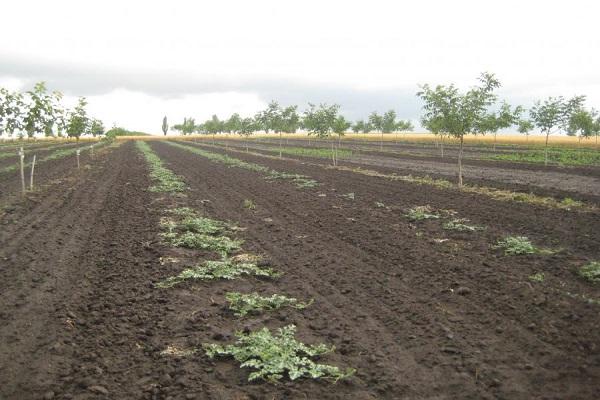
[[533, 140]]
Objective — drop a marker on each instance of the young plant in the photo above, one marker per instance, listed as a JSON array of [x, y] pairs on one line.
[[165, 180], [227, 268], [420, 213], [460, 225], [243, 304], [590, 272], [192, 240], [537, 277], [273, 355], [249, 204], [516, 245]]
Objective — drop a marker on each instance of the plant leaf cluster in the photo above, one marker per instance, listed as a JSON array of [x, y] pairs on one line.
[[243, 304], [272, 356]]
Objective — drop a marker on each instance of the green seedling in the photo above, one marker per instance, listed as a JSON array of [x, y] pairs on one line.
[[420, 213], [227, 268], [516, 245], [590, 272], [249, 204], [243, 304], [271, 356], [349, 196], [537, 277]]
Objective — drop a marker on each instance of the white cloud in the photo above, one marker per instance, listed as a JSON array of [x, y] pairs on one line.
[[302, 50]]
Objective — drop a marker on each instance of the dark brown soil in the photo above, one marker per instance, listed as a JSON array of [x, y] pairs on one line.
[[419, 316], [581, 183], [46, 173]]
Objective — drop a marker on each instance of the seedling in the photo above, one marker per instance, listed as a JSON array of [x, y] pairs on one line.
[[537, 277], [420, 213], [243, 304], [274, 355], [460, 224], [379, 204], [516, 245], [349, 196], [227, 268], [590, 272], [249, 204]]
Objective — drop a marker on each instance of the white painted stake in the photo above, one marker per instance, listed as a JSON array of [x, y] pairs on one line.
[[31, 176], [78, 151], [92, 151], [22, 157]]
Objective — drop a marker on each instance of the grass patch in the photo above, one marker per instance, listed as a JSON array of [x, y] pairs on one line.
[[165, 180], [272, 356], [249, 204], [461, 225], [537, 277], [421, 213], [516, 245], [192, 240], [590, 272], [243, 304], [227, 268], [494, 193], [300, 181], [560, 156], [313, 152]]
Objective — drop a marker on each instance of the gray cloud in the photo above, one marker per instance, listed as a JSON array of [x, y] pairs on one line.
[[79, 80]]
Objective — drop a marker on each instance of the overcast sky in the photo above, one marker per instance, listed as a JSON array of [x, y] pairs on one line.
[[137, 61]]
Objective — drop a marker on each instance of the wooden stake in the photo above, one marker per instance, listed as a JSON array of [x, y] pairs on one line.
[[22, 157], [31, 176]]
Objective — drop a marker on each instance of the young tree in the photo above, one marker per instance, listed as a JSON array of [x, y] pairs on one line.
[[165, 126], [96, 127], [581, 123], [319, 121], [358, 126], [403, 126], [553, 113], [187, 127], [447, 110], [504, 118], [525, 126], [376, 122], [11, 111], [78, 120], [233, 124], [246, 128], [340, 126], [38, 113]]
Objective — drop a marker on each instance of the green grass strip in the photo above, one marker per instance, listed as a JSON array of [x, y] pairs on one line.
[[165, 180], [300, 181]]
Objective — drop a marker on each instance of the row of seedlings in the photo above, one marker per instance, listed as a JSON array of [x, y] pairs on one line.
[[510, 245], [271, 355]]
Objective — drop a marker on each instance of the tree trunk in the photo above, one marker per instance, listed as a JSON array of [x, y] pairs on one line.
[[280, 144], [442, 145], [546, 150], [460, 154], [495, 142]]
